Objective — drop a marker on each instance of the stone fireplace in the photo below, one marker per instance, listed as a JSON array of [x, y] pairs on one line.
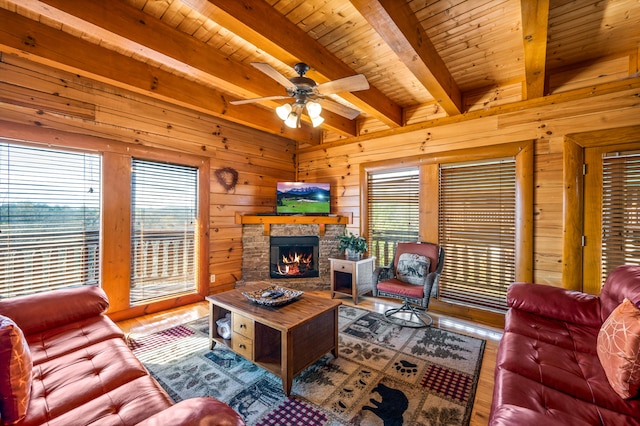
[[257, 253]]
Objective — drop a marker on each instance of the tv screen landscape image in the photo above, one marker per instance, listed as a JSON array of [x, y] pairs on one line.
[[303, 198]]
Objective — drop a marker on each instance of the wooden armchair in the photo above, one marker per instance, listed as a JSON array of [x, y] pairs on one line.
[[412, 277]]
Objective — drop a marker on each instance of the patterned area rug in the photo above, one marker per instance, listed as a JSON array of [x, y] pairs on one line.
[[384, 375]]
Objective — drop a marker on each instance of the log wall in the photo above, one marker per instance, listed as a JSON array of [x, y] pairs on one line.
[[548, 121], [45, 98]]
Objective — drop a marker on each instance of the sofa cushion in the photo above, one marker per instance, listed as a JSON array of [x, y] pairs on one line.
[[619, 349], [42, 311], [15, 372], [412, 268], [58, 341], [555, 367], [564, 370], [522, 401], [128, 404], [397, 287], [68, 382], [567, 335]]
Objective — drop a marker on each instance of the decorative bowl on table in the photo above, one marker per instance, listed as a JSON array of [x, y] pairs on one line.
[[272, 295]]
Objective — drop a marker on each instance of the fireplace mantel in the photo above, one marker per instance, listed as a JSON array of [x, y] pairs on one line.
[[269, 219]]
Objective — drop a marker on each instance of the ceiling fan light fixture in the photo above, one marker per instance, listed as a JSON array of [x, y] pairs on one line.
[[304, 90], [283, 111], [293, 120], [314, 109], [316, 121]]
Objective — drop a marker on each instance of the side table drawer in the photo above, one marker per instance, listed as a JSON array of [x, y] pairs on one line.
[[343, 266], [242, 325], [242, 345]]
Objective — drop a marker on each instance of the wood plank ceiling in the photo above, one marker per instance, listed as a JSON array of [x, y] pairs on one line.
[[424, 59]]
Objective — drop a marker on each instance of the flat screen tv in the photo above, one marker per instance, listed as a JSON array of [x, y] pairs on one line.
[[303, 198]]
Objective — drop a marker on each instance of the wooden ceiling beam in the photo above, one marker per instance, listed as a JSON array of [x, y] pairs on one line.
[[399, 27], [49, 46], [261, 25], [535, 24], [193, 56]]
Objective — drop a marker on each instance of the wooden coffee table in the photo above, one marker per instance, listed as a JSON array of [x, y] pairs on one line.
[[283, 339]]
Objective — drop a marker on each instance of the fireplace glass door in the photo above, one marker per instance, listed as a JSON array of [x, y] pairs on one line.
[[294, 257]]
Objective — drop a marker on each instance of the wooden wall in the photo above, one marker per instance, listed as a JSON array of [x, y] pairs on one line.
[[45, 98], [41, 97], [547, 121]]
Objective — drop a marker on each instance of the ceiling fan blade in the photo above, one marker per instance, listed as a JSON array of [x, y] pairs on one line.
[[271, 72], [339, 109], [265, 98], [347, 84]]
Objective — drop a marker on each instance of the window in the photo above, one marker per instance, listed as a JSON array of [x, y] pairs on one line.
[[620, 210], [477, 215], [393, 202], [600, 201], [49, 219], [164, 217]]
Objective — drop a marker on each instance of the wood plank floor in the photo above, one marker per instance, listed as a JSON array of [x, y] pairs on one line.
[[154, 322]]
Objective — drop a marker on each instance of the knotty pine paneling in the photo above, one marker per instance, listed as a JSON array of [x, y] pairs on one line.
[[590, 74], [546, 122], [53, 99], [486, 98]]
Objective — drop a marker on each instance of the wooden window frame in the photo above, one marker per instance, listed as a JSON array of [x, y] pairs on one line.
[[379, 259], [523, 151], [116, 203], [581, 269], [480, 238]]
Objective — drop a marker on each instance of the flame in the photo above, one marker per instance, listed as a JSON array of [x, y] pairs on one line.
[[291, 263]]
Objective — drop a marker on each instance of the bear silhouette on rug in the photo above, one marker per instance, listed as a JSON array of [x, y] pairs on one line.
[[393, 405]]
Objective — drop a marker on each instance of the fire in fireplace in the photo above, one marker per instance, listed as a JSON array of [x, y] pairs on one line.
[[294, 257]]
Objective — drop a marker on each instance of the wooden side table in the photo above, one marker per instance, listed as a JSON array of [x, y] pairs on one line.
[[353, 277]]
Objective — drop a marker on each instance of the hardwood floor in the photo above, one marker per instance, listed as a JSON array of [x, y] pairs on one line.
[[154, 322]]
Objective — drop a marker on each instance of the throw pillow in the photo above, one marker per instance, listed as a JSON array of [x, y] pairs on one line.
[[15, 372], [412, 268], [619, 349]]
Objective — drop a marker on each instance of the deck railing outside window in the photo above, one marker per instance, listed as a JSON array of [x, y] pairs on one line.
[[40, 263]]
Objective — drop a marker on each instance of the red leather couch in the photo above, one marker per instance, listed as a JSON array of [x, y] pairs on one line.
[[63, 362], [548, 371]]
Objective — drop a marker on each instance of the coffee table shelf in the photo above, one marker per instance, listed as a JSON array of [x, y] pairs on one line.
[[284, 339]]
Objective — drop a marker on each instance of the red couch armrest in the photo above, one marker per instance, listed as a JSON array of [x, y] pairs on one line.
[[43, 311], [555, 302], [205, 411]]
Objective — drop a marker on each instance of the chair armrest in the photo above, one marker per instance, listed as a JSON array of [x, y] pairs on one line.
[[555, 302], [431, 284], [382, 273], [204, 411]]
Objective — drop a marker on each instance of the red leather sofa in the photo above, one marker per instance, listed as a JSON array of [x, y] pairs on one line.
[[548, 371], [63, 362]]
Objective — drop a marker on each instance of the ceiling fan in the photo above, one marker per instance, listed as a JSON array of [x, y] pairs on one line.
[[307, 93]]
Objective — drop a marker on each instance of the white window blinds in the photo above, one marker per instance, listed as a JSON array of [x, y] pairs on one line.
[[164, 220], [477, 232], [49, 219], [393, 211], [620, 210]]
